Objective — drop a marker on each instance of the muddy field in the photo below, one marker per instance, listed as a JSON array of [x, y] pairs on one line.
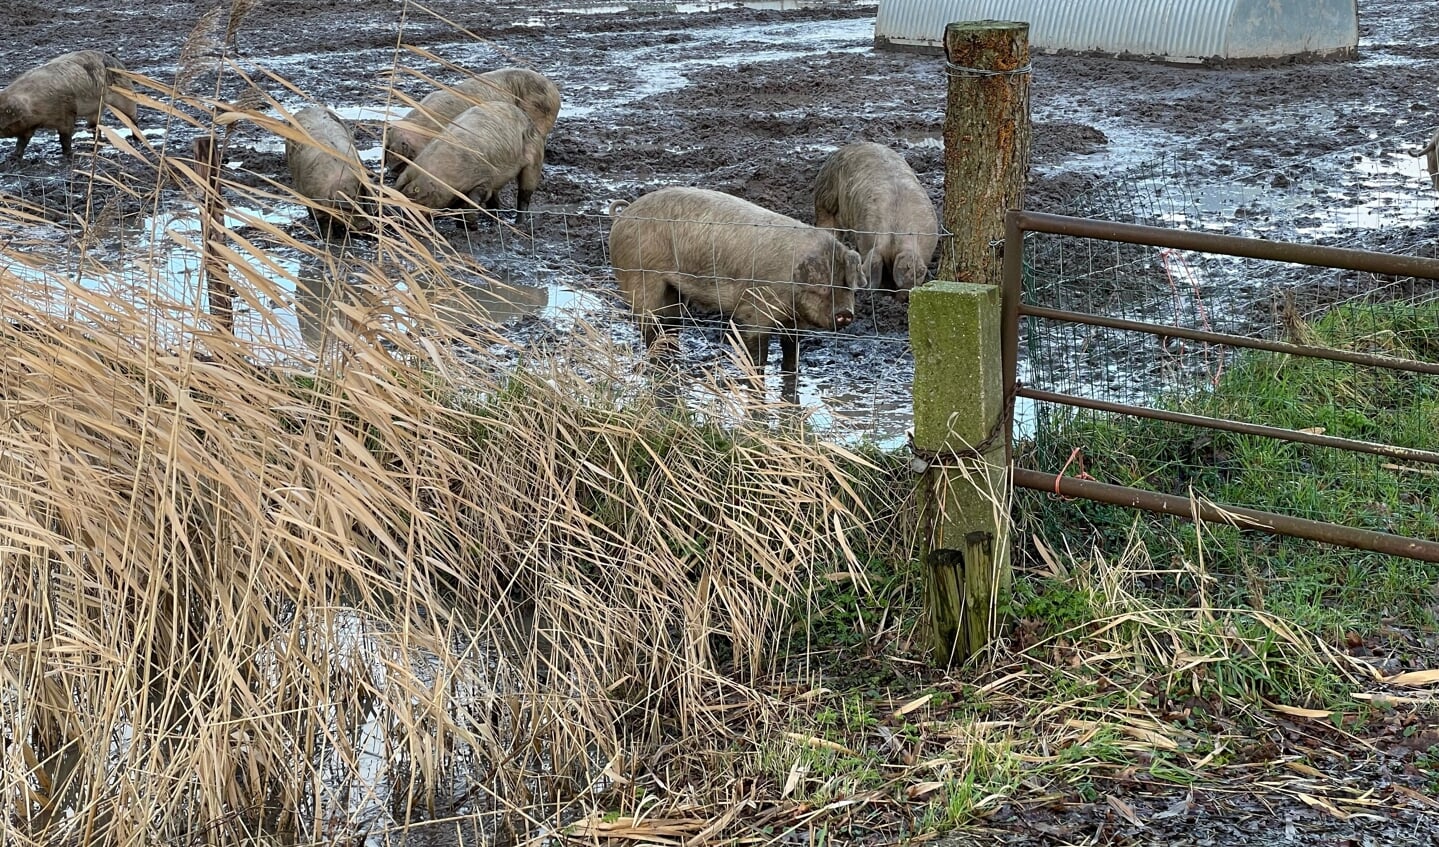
[[750, 101]]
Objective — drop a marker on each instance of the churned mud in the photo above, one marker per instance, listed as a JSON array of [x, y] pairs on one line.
[[750, 100]]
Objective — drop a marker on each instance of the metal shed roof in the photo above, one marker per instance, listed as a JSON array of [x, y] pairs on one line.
[[1173, 30]]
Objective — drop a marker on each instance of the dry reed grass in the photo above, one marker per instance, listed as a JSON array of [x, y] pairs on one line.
[[250, 593]]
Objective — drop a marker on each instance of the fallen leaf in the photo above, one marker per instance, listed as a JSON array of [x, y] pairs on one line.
[[821, 743], [1179, 807], [1321, 803], [1420, 798], [1300, 767], [1301, 712], [796, 773], [1125, 810], [1414, 679], [921, 790], [913, 704]]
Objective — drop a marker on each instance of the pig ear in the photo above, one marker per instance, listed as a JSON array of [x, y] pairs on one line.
[[873, 268]]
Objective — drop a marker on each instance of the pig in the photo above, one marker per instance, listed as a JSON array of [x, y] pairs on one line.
[[328, 171], [1432, 151], [869, 193], [769, 273], [405, 138], [70, 87], [480, 152], [530, 90]]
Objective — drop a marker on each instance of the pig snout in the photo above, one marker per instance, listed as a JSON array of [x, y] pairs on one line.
[[843, 318]]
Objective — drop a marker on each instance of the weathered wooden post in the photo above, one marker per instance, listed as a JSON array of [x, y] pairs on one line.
[[986, 143], [961, 416], [219, 287]]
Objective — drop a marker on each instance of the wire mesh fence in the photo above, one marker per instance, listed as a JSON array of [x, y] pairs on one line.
[[854, 379], [1392, 316], [538, 277]]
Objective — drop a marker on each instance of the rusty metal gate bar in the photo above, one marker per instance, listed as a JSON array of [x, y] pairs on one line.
[[1019, 222]]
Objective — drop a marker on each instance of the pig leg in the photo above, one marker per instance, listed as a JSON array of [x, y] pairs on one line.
[[22, 140], [789, 365], [756, 343], [529, 180], [656, 300], [480, 197], [68, 122]]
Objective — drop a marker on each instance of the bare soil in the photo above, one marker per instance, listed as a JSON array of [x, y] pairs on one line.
[[751, 101]]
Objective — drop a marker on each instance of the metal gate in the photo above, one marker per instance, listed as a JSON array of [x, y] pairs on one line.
[[1017, 223]]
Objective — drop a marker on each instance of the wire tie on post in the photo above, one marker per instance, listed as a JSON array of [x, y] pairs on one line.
[[959, 70]]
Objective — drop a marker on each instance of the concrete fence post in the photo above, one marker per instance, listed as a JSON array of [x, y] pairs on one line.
[[961, 432], [960, 442]]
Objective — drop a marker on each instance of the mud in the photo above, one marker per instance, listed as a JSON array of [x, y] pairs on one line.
[[751, 100]]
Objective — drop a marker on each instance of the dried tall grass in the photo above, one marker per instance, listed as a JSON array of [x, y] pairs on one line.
[[247, 592]]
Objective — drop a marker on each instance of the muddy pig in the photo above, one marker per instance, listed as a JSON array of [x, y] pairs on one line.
[[769, 273], [1432, 151], [68, 88], [328, 171], [869, 193], [479, 153], [529, 90], [405, 138]]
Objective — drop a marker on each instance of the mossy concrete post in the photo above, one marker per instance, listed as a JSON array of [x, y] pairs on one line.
[[960, 441], [986, 143]]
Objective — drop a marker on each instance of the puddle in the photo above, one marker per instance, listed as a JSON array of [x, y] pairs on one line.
[[150, 264], [660, 73], [610, 8], [367, 114]]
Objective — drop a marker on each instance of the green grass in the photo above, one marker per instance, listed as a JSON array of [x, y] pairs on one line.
[[1322, 588]]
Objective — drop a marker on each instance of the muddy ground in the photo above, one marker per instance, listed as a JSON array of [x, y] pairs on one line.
[[751, 101]]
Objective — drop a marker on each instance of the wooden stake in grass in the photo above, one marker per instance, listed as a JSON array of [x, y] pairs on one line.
[[218, 285]]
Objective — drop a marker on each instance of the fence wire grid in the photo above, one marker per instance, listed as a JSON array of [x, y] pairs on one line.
[[1397, 317]]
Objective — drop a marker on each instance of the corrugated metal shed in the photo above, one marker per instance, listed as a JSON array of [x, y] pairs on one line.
[[1172, 30]]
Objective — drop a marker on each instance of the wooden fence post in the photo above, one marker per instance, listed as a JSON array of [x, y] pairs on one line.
[[961, 433], [218, 285], [986, 143]]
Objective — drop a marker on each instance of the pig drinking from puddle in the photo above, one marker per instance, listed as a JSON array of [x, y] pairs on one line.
[[869, 194], [768, 273]]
